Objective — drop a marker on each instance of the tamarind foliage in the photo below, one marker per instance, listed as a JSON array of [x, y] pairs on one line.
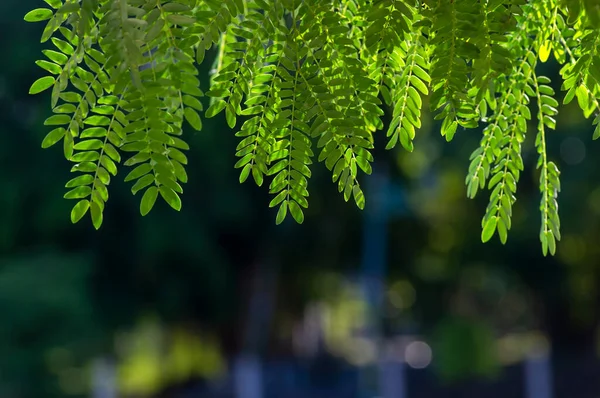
[[305, 81]]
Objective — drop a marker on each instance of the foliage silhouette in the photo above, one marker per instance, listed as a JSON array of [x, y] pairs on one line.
[[306, 76]]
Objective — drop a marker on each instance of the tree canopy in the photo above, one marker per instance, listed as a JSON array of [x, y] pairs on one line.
[[312, 78]]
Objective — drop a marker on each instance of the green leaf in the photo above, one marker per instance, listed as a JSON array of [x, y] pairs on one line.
[[245, 173], [142, 183], [258, 176], [96, 214], [570, 95], [359, 197], [296, 212], [139, 171], [175, 7], [215, 108], [53, 137], [37, 15], [84, 179], [551, 242], [193, 118], [55, 56], [79, 192], [544, 241], [148, 200], [449, 128], [68, 145], [582, 97], [180, 19], [93, 132], [281, 213], [56, 120], [218, 92], [419, 85], [109, 165], [68, 8], [193, 102], [54, 3], [41, 84], [49, 66], [488, 229], [97, 120], [87, 145], [230, 116], [502, 231], [63, 46], [79, 210], [170, 197], [278, 199], [65, 108], [85, 167], [112, 152], [545, 50]]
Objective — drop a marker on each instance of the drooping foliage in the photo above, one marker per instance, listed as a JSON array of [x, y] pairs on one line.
[[305, 81]]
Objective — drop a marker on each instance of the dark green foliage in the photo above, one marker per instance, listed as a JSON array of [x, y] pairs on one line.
[[306, 81]]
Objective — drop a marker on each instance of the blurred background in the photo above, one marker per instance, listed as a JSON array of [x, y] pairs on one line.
[[401, 300]]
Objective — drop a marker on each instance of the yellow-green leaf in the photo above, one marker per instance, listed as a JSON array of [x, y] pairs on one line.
[[296, 212], [79, 210], [180, 19], [258, 176], [41, 84], [53, 137], [502, 231], [359, 197], [230, 116], [245, 172], [170, 197], [138, 172], [68, 8], [215, 108], [148, 200], [84, 179], [545, 50], [54, 3], [193, 118], [281, 213], [37, 15], [488, 229], [79, 192], [544, 241], [96, 213], [551, 242]]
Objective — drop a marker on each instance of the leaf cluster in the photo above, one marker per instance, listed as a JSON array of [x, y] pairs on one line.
[[305, 81]]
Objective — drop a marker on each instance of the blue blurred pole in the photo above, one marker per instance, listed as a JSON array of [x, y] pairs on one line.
[[538, 376], [390, 380], [375, 241], [104, 383], [248, 368], [248, 377]]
